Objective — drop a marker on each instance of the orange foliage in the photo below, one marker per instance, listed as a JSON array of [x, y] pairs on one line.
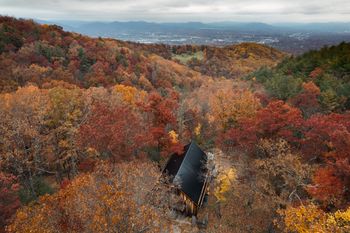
[[114, 199]]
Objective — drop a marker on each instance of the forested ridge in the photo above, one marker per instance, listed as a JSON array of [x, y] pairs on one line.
[[328, 69], [86, 124]]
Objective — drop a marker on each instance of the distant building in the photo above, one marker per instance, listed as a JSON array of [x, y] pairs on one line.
[[189, 173]]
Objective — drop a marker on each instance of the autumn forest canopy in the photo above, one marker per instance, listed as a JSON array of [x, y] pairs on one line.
[[87, 124]]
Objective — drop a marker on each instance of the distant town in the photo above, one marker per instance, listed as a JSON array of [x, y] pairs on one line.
[[292, 38]]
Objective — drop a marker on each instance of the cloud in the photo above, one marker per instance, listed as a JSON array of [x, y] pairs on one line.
[[180, 10]]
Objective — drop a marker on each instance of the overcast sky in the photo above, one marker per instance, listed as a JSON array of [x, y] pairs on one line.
[[181, 10]]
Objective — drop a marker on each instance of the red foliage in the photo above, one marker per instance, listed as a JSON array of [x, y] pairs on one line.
[[328, 138], [279, 120], [318, 130], [326, 184], [113, 131], [162, 108], [276, 120], [161, 114], [87, 165], [65, 182], [243, 135], [307, 100]]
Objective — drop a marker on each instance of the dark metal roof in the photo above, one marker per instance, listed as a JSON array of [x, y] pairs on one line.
[[188, 170]]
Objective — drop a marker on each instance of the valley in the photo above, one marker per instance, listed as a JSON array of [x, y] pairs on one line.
[[290, 38], [87, 125]]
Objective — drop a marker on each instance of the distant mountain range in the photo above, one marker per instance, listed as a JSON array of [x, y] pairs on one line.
[[294, 38], [143, 26]]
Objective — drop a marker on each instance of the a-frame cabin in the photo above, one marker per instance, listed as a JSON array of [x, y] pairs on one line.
[[188, 171]]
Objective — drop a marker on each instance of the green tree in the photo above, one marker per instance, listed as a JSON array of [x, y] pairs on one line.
[[329, 101]]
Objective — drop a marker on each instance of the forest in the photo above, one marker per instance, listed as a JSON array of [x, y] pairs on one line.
[[86, 125]]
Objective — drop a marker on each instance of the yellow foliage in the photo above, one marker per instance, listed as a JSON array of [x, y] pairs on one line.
[[173, 136], [311, 219], [224, 183], [63, 144], [91, 151], [229, 106], [344, 216], [39, 69], [197, 130], [130, 95]]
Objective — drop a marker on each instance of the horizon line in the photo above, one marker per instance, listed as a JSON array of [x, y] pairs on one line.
[[166, 22]]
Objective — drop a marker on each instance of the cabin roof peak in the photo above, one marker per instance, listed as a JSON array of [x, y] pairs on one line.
[[188, 170]]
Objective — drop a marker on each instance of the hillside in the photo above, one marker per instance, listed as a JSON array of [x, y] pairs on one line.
[[234, 61], [327, 68], [41, 54], [90, 122], [38, 54], [237, 60]]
